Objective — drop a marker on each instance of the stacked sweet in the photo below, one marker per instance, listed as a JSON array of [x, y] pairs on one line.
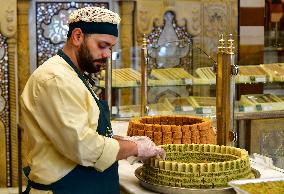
[[173, 129], [198, 166]]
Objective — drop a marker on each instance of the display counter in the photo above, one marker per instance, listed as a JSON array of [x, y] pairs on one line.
[[130, 184]]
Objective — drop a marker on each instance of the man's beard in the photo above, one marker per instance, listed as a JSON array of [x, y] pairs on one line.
[[87, 62]]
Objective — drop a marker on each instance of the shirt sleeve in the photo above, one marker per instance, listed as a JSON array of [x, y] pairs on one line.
[[62, 108]]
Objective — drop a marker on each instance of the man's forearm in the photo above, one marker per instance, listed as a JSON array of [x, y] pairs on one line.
[[127, 148]]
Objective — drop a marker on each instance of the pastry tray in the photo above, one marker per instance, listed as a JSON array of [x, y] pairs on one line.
[[181, 190], [125, 77], [275, 72], [263, 102], [203, 105], [180, 103], [206, 73], [171, 76], [237, 183], [251, 74]]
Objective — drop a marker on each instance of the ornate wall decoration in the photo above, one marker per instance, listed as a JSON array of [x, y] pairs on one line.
[[205, 20], [51, 29], [5, 134], [215, 19], [8, 94], [195, 27], [267, 138], [8, 15], [169, 45], [147, 13], [275, 148], [144, 17], [169, 3], [219, 18]]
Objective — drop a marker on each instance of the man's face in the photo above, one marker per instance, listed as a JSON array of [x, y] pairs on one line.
[[94, 51]]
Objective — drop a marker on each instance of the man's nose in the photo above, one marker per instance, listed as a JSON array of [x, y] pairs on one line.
[[106, 54]]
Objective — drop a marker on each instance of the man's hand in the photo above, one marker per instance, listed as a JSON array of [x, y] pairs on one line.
[[146, 147]]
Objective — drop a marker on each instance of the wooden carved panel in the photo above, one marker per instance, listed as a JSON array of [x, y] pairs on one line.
[[268, 139], [5, 136], [169, 45], [219, 18], [205, 19], [8, 94]]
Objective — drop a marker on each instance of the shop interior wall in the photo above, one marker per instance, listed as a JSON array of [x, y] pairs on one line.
[[138, 17]]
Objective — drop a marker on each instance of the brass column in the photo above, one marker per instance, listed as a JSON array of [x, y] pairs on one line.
[[144, 77], [108, 85], [225, 89]]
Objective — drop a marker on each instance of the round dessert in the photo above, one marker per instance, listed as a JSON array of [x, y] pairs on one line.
[[173, 129], [201, 166]]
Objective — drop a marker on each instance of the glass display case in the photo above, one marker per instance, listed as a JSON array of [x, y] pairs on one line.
[[174, 85], [181, 79]]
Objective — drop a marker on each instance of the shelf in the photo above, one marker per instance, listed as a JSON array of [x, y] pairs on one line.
[[250, 74], [259, 115]]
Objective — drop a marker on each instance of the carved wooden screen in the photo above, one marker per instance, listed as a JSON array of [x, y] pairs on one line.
[[170, 35], [8, 94], [49, 26], [169, 46], [5, 135]]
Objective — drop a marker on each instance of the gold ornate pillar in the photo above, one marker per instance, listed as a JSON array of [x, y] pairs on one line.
[[9, 116], [23, 43], [23, 53]]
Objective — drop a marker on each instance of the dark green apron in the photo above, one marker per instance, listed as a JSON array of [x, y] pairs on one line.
[[85, 180]]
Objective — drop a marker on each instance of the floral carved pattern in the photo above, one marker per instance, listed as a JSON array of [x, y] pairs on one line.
[[4, 97], [275, 147], [169, 36], [216, 21], [272, 145]]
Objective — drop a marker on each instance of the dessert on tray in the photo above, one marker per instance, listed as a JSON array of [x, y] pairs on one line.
[[201, 166], [173, 129]]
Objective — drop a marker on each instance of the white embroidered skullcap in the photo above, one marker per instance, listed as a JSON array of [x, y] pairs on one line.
[[94, 14]]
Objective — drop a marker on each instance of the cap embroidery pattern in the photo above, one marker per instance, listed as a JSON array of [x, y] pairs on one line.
[[94, 14]]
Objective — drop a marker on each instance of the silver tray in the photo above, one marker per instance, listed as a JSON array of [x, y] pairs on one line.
[[181, 190]]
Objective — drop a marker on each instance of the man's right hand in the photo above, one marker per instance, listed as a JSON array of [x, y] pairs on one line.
[[146, 147]]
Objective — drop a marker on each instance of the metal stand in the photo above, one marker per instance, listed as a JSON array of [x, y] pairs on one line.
[[144, 78], [225, 89], [108, 84]]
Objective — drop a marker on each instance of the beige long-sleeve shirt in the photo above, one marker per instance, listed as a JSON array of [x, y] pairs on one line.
[[60, 118]]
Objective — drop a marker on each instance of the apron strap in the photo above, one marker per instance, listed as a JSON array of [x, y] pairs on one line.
[[32, 184], [82, 77]]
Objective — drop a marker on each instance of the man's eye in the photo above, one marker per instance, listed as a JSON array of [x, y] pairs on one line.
[[103, 46]]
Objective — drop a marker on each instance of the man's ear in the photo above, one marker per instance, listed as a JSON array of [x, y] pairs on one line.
[[77, 36]]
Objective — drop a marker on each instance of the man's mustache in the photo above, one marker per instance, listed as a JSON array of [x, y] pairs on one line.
[[102, 60]]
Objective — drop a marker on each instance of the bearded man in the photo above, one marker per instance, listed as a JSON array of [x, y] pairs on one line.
[[71, 147]]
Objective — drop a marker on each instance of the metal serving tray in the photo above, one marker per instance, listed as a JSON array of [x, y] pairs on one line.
[[180, 190], [237, 183]]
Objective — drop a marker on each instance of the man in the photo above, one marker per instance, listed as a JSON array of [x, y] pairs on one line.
[[70, 145]]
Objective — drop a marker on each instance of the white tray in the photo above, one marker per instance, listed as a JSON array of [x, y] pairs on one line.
[[237, 183]]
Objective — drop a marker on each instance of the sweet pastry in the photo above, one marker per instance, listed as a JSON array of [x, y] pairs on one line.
[[174, 129], [197, 166], [275, 72]]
